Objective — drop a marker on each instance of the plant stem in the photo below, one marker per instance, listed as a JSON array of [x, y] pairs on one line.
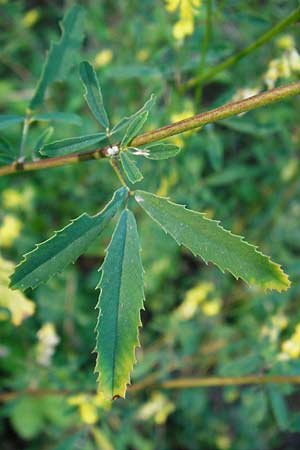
[[181, 383], [222, 112], [209, 74], [115, 165]]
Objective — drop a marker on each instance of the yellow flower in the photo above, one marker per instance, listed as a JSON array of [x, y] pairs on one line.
[[185, 25], [30, 18], [11, 198], [223, 442], [286, 42], [88, 405], [103, 58], [159, 407], [9, 230], [143, 54], [193, 298], [212, 307], [15, 301], [291, 347]]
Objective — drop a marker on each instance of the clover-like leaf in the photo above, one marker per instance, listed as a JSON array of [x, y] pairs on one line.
[[125, 122], [120, 301], [130, 168], [134, 127], [9, 119], [53, 255], [206, 238]]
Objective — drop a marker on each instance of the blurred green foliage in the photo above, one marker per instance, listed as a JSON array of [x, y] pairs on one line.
[[199, 322]]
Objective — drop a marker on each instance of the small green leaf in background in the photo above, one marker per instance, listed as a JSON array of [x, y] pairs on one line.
[[125, 122], [161, 151], [72, 442], [279, 407], [93, 93], [120, 301], [42, 139], [72, 145], [214, 148], [130, 168], [53, 255], [9, 119], [61, 55], [206, 238], [134, 127], [7, 153], [27, 417], [65, 117]]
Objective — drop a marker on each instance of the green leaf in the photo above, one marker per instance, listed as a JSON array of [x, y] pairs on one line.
[[27, 417], [161, 151], [93, 93], [72, 442], [72, 145], [127, 120], [7, 154], [61, 55], [42, 139], [279, 407], [53, 255], [120, 301], [130, 168], [64, 117], [134, 127], [9, 119], [206, 238], [214, 148]]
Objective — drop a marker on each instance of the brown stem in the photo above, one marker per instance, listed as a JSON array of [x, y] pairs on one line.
[[222, 112]]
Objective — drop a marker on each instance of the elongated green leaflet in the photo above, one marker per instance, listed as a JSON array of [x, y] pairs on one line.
[[42, 139], [7, 153], [58, 116], [161, 151], [134, 127], [120, 301], [130, 168], [93, 93], [126, 121], [206, 238], [53, 255], [9, 119], [61, 55], [72, 145]]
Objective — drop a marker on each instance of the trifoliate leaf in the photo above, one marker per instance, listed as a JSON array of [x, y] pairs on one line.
[[134, 127], [61, 55], [206, 238], [93, 93], [9, 119], [127, 120], [130, 168], [161, 151], [53, 255], [121, 299], [64, 117], [72, 145]]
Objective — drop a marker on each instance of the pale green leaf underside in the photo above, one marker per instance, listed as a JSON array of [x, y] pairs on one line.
[[128, 120], [120, 301], [9, 119], [93, 93], [61, 55], [42, 139], [130, 168], [206, 238], [72, 145], [161, 151], [65, 117], [134, 127], [53, 255]]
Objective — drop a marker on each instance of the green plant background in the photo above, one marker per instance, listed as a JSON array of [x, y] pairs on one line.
[[198, 322]]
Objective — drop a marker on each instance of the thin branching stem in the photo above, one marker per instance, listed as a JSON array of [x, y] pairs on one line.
[[191, 123], [263, 39]]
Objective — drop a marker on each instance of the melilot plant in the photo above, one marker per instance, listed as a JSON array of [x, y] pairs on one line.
[[121, 286]]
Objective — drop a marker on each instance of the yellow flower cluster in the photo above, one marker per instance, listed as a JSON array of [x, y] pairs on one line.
[[88, 406], [103, 58], [291, 347], [202, 295], [186, 23], [159, 407], [48, 340], [14, 301], [10, 229], [285, 66]]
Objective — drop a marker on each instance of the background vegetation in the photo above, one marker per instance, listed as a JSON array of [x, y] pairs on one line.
[[199, 322]]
